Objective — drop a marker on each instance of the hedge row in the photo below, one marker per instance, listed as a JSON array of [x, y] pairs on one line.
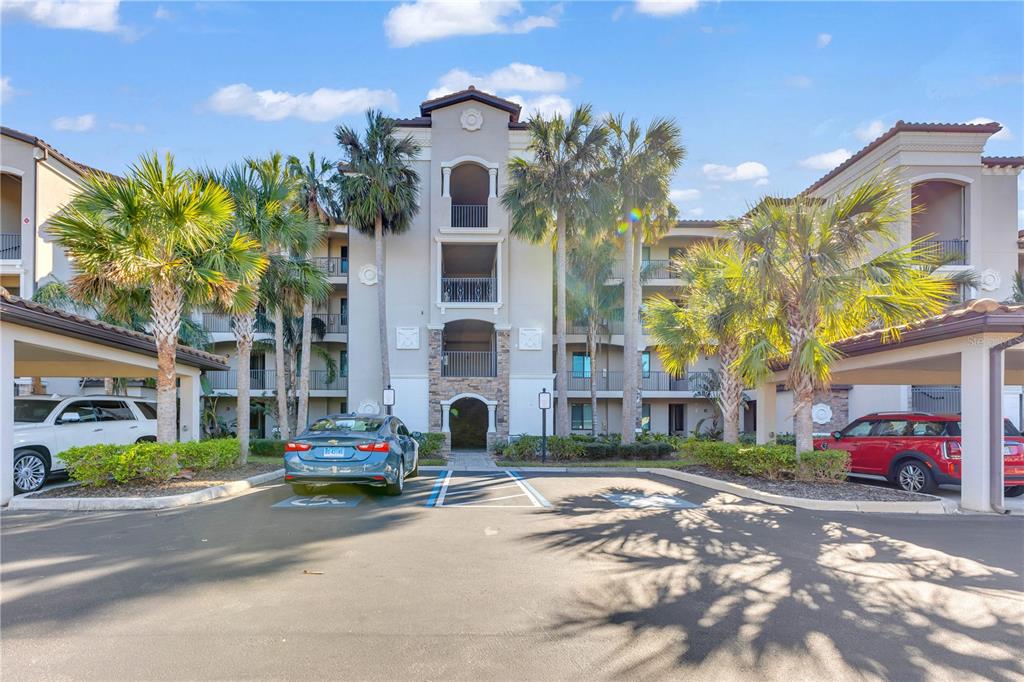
[[95, 465], [431, 443], [773, 462], [569, 448], [266, 447]]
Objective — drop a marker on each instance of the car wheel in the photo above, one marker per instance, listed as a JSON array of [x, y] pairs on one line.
[[914, 477], [147, 439], [302, 490], [1014, 491], [398, 486], [30, 471]]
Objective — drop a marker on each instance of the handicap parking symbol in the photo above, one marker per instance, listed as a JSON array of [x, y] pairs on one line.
[[319, 502], [636, 501]]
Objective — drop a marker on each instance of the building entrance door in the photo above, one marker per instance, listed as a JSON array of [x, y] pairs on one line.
[[468, 424]]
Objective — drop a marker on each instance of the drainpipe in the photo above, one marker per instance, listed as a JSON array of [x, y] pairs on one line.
[[995, 443]]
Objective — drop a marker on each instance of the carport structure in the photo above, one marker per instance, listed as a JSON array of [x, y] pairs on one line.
[[979, 347], [39, 341]]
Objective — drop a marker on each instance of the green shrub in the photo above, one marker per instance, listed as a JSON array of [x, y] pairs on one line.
[[95, 465], [749, 438], [564, 448], [266, 447], [217, 453], [596, 451], [431, 443], [769, 461], [785, 439], [523, 447]]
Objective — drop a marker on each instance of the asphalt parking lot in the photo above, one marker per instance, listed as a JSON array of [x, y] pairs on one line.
[[496, 576]]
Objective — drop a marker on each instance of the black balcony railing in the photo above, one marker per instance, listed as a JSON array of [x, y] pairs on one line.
[[469, 215], [469, 363], [657, 269], [10, 246], [469, 290], [937, 399], [331, 265], [334, 323], [318, 381], [652, 381], [949, 251], [227, 380], [219, 323]]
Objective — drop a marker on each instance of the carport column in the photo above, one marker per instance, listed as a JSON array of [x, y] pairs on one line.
[[446, 406], [766, 397], [6, 416], [492, 408], [190, 393], [976, 423]]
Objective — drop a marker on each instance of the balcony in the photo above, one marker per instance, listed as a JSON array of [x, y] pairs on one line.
[[469, 215], [333, 266], [649, 269], [469, 363], [949, 251], [10, 246], [219, 323], [651, 382], [264, 380], [318, 381], [334, 323], [469, 290]]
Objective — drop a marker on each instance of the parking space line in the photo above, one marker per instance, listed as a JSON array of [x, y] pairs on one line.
[[531, 492], [441, 482]]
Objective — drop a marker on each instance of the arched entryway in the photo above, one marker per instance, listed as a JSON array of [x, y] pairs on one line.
[[468, 421]]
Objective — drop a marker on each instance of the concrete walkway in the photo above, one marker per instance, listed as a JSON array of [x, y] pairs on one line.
[[470, 460]]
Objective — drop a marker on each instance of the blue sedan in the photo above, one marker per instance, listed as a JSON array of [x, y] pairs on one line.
[[352, 448]]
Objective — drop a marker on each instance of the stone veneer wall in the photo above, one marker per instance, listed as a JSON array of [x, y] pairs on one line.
[[839, 400], [492, 388]]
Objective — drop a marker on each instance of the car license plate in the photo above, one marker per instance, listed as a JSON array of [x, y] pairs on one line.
[[334, 452]]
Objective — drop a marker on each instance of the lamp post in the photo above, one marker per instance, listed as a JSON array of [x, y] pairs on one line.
[[389, 398], [544, 403]]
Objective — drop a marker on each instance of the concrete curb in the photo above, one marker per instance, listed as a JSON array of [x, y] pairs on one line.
[[933, 506], [26, 501]]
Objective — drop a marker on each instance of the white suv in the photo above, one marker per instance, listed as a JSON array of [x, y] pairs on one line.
[[45, 426]]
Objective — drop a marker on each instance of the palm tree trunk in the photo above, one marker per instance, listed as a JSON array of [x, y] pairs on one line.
[[629, 341], [592, 352], [638, 300], [382, 320], [292, 373], [561, 369], [304, 357], [166, 301], [108, 386], [282, 377], [730, 393], [244, 325]]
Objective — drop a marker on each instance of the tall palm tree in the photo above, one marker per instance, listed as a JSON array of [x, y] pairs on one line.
[[712, 314], [641, 165], [811, 262], [378, 193], [164, 230], [551, 194]]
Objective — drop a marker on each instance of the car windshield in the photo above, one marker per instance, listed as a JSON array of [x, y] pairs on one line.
[[351, 424], [33, 411]]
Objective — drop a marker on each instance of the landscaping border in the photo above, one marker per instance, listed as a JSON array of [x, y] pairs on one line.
[[26, 501]]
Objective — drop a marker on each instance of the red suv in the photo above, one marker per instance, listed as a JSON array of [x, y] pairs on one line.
[[917, 451]]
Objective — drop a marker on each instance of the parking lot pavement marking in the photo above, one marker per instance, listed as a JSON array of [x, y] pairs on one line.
[[319, 502], [531, 492], [436, 498], [634, 501]]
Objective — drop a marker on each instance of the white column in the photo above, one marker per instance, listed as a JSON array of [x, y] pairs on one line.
[[190, 394], [446, 182], [766, 397], [492, 408], [445, 409], [492, 174], [975, 416], [6, 416]]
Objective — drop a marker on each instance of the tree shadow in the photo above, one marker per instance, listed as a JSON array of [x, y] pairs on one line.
[[788, 593]]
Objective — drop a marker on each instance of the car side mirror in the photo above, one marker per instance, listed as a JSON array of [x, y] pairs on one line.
[[70, 418], [837, 434]]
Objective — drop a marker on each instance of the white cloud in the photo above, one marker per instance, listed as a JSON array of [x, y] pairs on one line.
[[761, 182], [425, 20], [128, 127], [544, 105], [515, 77], [162, 13], [826, 160], [694, 212], [665, 8], [320, 105], [98, 15], [75, 124], [6, 89], [799, 81], [824, 39], [867, 132], [684, 194], [748, 170], [1003, 134]]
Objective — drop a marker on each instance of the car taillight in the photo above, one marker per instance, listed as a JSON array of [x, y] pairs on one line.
[[297, 447], [951, 449], [379, 446]]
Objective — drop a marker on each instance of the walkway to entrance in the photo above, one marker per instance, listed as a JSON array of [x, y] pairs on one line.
[[471, 460]]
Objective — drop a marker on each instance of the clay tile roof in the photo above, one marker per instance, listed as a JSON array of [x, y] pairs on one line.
[[471, 93], [971, 309], [104, 331], [1003, 161], [905, 127], [81, 168], [701, 223]]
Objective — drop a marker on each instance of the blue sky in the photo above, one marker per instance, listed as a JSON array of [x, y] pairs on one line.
[[769, 95]]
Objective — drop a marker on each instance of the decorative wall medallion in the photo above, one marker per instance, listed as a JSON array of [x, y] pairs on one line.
[[989, 280], [530, 338], [369, 407], [407, 338], [821, 413], [471, 119], [368, 275]]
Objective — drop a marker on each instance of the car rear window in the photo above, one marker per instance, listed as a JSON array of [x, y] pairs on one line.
[[33, 411], [148, 410], [928, 428], [351, 424], [953, 429]]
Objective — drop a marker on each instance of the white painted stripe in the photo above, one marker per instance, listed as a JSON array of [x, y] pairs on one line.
[[444, 489], [536, 502]]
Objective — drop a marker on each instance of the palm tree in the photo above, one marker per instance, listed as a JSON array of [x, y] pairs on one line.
[[378, 193], [641, 165], [810, 260], [712, 314], [550, 195], [163, 230]]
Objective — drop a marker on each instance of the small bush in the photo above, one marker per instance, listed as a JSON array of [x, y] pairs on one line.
[[748, 438], [523, 447], [769, 461], [217, 453], [431, 443], [266, 447], [564, 448], [95, 465], [785, 439]]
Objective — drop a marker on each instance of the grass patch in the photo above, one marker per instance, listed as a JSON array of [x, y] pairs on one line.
[[267, 459], [433, 461]]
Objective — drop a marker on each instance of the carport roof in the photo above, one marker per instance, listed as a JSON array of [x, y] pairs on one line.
[[16, 310]]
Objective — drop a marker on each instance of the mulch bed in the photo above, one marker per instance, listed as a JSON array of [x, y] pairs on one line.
[[202, 479], [848, 490]]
